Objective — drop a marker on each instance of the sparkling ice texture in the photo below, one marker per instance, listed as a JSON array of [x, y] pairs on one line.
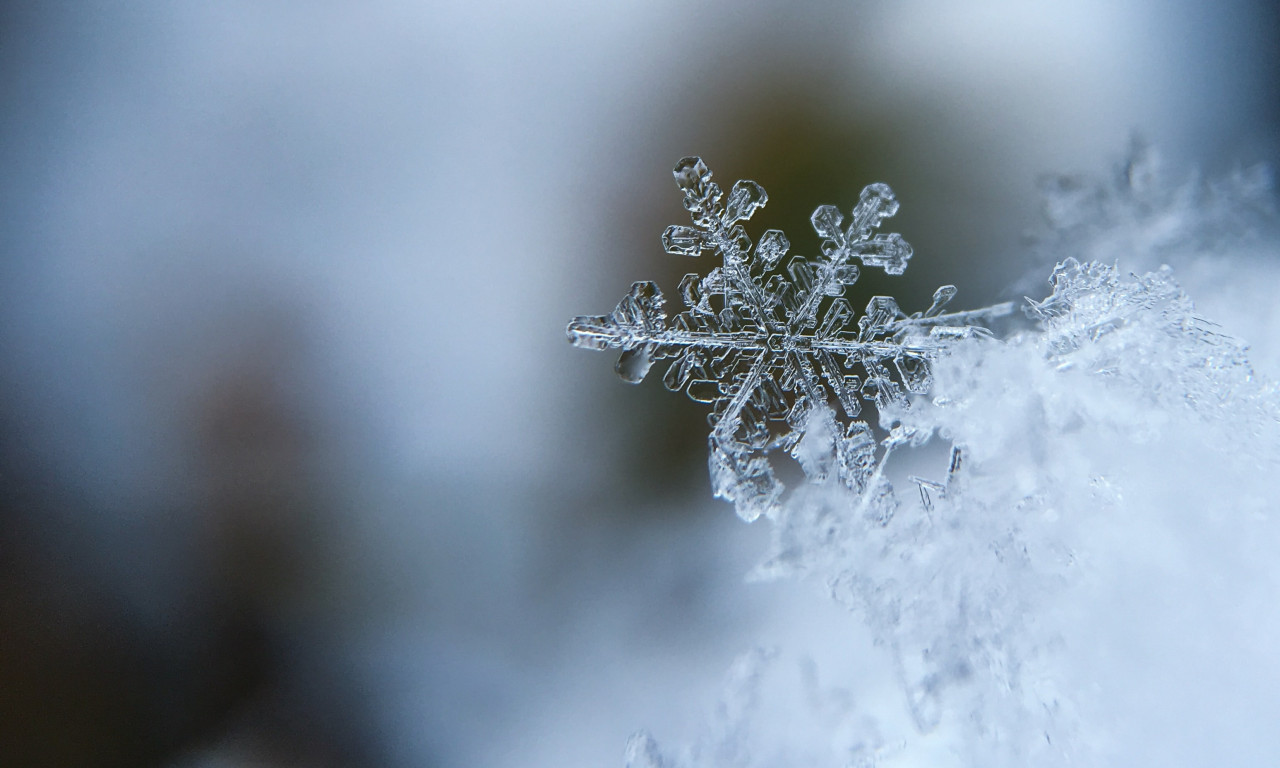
[[1094, 580], [771, 346]]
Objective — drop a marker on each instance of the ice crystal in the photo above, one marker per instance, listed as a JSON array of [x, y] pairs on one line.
[[1092, 318], [769, 346]]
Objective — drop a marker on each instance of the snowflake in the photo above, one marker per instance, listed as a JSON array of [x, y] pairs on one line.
[[772, 350]]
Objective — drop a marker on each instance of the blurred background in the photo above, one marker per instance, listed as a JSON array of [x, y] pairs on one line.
[[296, 465]]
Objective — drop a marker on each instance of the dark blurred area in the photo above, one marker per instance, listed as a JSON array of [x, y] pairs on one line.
[[296, 467]]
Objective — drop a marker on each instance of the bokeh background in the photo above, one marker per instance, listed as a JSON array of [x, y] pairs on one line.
[[296, 465]]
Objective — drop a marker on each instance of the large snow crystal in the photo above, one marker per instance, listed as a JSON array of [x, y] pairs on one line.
[[768, 347]]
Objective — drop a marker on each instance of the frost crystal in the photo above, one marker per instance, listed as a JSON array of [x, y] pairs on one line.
[[771, 348]]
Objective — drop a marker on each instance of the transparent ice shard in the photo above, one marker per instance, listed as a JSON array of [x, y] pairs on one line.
[[785, 353]]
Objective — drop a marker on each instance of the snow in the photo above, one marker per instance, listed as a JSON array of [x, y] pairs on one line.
[[1094, 580]]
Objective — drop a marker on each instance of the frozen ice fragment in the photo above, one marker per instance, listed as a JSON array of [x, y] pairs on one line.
[[941, 298], [691, 290], [591, 331], [915, 373], [745, 199], [679, 371], [701, 195], [692, 175], [633, 364], [876, 203], [772, 247], [881, 311], [856, 451], [838, 317], [826, 221], [802, 275], [845, 274], [890, 252], [643, 306], [683, 241]]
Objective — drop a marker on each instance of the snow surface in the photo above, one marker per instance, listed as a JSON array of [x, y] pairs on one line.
[[1095, 583]]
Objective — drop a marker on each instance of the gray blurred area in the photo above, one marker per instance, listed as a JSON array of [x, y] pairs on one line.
[[296, 465]]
